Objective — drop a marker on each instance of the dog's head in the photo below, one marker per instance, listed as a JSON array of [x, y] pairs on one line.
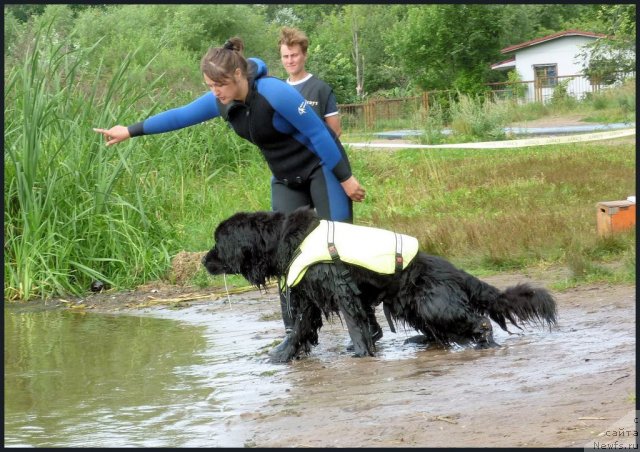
[[246, 244]]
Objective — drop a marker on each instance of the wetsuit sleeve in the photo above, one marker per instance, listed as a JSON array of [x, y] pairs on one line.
[[201, 109], [312, 130], [257, 68]]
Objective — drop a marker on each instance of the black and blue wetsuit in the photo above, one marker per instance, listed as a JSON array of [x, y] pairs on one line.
[[307, 161]]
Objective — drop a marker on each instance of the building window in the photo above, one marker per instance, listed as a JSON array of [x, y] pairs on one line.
[[546, 75]]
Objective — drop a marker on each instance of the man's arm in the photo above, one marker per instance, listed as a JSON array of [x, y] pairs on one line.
[[331, 113], [333, 122]]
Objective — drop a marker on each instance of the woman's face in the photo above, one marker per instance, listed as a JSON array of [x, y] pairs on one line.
[[226, 91]]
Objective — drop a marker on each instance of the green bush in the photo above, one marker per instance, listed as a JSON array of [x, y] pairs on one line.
[[476, 119], [432, 125], [561, 97], [65, 223]]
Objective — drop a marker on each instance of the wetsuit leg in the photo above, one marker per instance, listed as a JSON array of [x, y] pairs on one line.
[[328, 196], [322, 192], [285, 199]]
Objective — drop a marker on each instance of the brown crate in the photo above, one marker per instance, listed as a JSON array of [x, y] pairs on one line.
[[615, 216]]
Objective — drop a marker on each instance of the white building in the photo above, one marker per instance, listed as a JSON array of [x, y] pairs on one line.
[[544, 62]]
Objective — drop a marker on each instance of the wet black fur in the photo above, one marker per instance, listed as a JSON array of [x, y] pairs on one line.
[[440, 301]]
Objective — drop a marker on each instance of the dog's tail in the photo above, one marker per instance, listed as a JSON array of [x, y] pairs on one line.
[[520, 303]]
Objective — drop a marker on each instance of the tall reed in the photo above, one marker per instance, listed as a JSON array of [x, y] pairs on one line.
[[64, 224]]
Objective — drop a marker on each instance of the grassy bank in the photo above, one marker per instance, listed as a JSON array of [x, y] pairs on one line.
[[495, 210], [76, 211]]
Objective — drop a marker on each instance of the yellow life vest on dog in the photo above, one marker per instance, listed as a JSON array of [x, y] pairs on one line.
[[379, 250]]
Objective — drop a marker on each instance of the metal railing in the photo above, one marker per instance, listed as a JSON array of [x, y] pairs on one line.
[[544, 89]]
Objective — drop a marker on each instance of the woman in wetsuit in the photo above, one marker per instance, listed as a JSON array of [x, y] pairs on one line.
[[309, 165]]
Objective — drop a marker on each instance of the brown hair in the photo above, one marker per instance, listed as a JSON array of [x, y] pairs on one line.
[[219, 63], [292, 36]]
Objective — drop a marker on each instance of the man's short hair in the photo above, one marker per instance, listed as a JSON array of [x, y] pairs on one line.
[[290, 37]]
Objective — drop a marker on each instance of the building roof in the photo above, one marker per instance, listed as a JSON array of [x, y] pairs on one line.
[[560, 34], [504, 64]]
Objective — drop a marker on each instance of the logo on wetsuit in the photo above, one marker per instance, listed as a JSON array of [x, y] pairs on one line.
[[302, 109]]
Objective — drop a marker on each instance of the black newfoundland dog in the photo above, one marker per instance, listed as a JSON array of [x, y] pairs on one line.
[[442, 302]]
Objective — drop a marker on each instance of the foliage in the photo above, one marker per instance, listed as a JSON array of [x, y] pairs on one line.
[[172, 39], [336, 69], [66, 222], [307, 17], [605, 58], [12, 29], [442, 56], [74, 210], [332, 55], [613, 105], [518, 89], [433, 124], [474, 119], [403, 46], [561, 93]]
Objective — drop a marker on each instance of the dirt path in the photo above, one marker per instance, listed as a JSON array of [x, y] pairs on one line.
[[554, 121], [560, 388]]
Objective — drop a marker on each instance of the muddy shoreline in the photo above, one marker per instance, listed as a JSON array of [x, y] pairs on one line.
[[560, 388]]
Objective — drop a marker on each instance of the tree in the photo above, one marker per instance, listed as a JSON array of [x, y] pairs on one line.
[[521, 23], [354, 14], [606, 58], [449, 46], [359, 32], [330, 58], [307, 17]]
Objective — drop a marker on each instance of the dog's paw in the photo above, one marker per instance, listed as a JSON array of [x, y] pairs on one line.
[[485, 345], [276, 358], [284, 352]]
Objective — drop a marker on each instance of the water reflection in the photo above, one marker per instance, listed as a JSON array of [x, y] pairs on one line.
[[75, 379]]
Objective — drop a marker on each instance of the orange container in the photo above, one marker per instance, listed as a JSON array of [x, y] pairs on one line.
[[616, 216]]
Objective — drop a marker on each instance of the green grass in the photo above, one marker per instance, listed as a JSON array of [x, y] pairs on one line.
[[65, 223], [499, 209]]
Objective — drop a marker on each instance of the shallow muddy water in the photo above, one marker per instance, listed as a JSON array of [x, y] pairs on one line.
[[199, 376], [84, 379]]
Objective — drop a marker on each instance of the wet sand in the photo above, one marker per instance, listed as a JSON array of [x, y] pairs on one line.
[[558, 388]]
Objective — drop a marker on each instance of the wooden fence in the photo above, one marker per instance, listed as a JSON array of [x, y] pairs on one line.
[[543, 89], [376, 113]]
